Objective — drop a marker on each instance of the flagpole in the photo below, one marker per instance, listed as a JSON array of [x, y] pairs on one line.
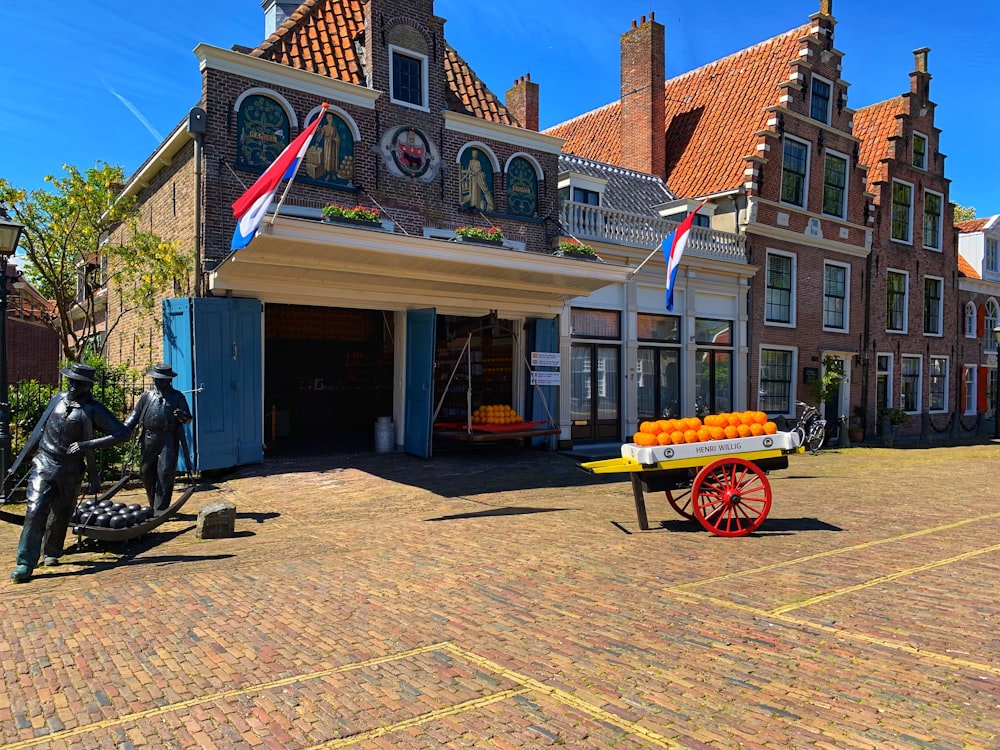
[[635, 270], [291, 179]]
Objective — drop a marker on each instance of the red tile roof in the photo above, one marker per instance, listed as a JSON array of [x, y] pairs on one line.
[[972, 225], [966, 270], [712, 116], [319, 37], [874, 125]]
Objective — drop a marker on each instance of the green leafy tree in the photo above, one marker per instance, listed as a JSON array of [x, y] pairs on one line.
[[964, 214], [66, 233]]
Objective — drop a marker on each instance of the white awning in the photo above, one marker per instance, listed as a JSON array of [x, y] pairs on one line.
[[298, 261]]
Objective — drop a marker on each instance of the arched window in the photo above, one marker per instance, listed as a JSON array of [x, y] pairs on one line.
[[263, 131], [991, 320], [970, 320], [522, 187], [330, 157]]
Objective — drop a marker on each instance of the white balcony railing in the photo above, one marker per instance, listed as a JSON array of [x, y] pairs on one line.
[[587, 222]]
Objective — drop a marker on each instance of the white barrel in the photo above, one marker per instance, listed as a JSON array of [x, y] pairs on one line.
[[385, 435]]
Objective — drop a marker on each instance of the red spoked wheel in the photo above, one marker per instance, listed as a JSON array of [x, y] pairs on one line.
[[732, 497], [680, 500]]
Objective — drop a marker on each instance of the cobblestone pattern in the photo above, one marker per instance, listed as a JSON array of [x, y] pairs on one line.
[[504, 598]]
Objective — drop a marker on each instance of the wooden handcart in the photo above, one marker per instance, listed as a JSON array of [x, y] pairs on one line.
[[722, 484]]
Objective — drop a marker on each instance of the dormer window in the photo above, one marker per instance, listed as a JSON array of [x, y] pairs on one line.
[[819, 102], [408, 85], [919, 151]]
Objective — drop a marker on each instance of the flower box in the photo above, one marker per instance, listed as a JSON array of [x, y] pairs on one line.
[[478, 235], [480, 241], [358, 216]]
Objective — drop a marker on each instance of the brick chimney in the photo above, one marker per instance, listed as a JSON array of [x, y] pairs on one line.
[[643, 121], [522, 101], [920, 79], [275, 14]]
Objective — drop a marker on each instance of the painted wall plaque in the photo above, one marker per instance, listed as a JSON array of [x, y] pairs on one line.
[[475, 180], [262, 132], [408, 152], [522, 188], [330, 157]]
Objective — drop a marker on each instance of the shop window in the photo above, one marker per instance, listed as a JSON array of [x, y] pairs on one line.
[[713, 366], [596, 324]]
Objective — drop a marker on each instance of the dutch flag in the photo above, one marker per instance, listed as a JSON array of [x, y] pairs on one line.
[[673, 247]]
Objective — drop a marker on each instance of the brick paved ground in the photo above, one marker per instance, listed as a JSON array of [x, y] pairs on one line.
[[503, 598]]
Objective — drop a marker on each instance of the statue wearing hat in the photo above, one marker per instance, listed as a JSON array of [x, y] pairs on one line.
[[62, 441], [161, 412]]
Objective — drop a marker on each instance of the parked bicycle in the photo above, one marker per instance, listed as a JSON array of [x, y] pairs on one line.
[[811, 427]]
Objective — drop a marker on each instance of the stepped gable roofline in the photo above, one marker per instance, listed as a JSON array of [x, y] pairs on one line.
[[874, 125], [965, 269], [728, 96], [319, 36]]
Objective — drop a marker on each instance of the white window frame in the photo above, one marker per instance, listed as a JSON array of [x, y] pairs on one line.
[[971, 318], [920, 381], [906, 300], [947, 376], [927, 144], [424, 105], [991, 319], [847, 297], [847, 182], [792, 294], [909, 218], [970, 386], [940, 227], [829, 101], [790, 406], [805, 178], [991, 251], [940, 310], [889, 374]]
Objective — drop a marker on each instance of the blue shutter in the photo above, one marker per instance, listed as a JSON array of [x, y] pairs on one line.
[[214, 344], [420, 342]]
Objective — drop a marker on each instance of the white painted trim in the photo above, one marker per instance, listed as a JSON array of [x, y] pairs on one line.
[[276, 74], [510, 134], [293, 120], [340, 113], [524, 155], [482, 147]]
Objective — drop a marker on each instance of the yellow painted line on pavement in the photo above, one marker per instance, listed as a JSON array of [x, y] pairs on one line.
[[563, 697], [881, 579], [423, 718], [170, 708], [832, 552], [847, 635]]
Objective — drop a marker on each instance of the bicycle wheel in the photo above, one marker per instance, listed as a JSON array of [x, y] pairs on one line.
[[817, 434]]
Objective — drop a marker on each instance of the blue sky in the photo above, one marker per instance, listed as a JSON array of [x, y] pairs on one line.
[[86, 81]]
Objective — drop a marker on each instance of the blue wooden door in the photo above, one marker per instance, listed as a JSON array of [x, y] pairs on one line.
[[420, 340], [543, 336], [214, 344]]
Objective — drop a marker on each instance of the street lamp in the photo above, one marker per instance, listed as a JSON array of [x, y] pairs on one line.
[[10, 235], [996, 386]]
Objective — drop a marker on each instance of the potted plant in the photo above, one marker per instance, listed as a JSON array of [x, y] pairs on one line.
[[356, 215], [856, 429], [491, 236], [575, 247]]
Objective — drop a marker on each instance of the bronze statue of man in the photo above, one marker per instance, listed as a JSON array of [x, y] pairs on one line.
[[62, 440], [161, 412]]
